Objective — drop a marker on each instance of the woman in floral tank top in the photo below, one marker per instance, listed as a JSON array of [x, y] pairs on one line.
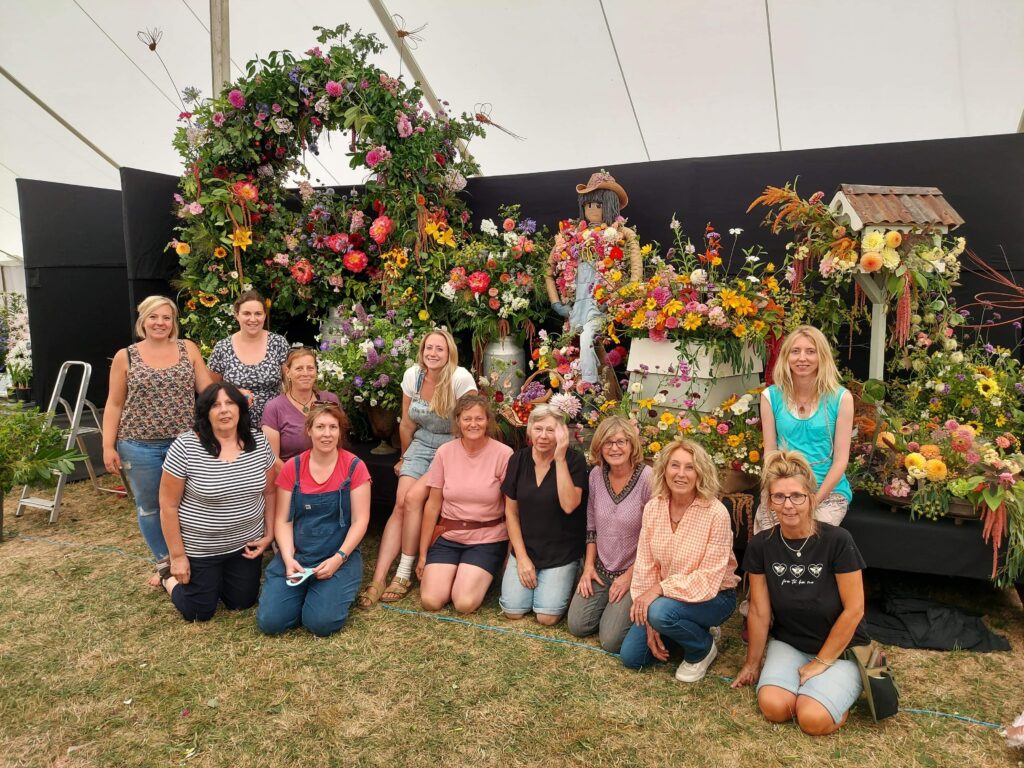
[[151, 400]]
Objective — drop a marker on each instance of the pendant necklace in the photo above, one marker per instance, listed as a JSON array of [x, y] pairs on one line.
[[304, 406], [797, 552]]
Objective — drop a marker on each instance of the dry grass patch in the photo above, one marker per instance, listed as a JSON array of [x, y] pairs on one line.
[[97, 669]]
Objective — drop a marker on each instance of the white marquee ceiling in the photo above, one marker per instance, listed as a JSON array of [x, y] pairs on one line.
[[673, 78]]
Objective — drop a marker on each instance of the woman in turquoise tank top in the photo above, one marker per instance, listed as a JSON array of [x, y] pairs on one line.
[[807, 410]]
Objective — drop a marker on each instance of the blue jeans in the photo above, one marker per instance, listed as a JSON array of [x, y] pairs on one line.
[[681, 625], [551, 595], [321, 606], [143, 465]]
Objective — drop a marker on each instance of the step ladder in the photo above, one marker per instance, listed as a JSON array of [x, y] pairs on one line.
[[75, 434]]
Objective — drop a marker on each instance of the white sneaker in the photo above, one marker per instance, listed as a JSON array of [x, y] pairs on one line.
[[691, 673], [716, 634]]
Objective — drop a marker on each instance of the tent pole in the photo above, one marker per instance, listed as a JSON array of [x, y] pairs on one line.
[[220, 45]]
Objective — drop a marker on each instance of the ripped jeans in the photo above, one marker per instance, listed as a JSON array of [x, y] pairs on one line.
[[143, 464]]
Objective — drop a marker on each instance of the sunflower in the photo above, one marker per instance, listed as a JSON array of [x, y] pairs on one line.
[[220, 252], [401, 261], [987, 387]]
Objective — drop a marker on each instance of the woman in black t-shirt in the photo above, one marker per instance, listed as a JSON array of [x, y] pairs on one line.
[[807, 574], [545, 508]]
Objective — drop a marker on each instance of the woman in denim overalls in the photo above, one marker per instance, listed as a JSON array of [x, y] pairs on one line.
[[429, 391], [316, 573]]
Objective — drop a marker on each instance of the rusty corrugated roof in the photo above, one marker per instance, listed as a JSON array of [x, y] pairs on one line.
[[901, 205]]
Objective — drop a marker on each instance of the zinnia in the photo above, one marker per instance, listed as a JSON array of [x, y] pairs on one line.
[[355, 261], [935, 470], [183, 249], [302, 271], [914, 461], [220, 252]]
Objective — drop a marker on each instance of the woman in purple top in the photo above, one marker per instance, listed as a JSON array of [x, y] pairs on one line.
[[284, 417], [620, 486]]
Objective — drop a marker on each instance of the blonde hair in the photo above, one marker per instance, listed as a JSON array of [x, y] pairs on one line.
[[443, 399], [827, 379], [147, 306], [707, 474], [612, 426], [293, 355], [544, 411], [473, 400], [783, 465]]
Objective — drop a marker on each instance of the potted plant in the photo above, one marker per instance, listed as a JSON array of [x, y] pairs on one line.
[[19, 463]]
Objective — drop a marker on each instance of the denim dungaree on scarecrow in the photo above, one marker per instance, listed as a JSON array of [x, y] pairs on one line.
[[320, 522], [432, 431], [585, 317]]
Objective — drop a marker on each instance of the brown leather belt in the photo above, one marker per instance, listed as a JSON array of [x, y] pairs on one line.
[[446, 524]]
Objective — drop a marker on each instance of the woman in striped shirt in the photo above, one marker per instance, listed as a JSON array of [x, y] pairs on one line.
[[216, 507], [684, 578]]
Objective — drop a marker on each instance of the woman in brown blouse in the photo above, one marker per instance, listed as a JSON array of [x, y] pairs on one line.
[[151, 400]]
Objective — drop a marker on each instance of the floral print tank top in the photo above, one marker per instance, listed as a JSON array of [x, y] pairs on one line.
[[161, 402]]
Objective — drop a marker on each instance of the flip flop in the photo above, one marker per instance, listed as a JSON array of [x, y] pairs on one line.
[[292, 581]]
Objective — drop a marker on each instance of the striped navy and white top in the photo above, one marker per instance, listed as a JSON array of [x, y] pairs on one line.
[[221, 508]]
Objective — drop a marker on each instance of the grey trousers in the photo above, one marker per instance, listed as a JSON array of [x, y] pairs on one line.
[[588, 615]]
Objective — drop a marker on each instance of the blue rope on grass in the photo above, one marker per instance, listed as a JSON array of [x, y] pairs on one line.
[[487, 627]]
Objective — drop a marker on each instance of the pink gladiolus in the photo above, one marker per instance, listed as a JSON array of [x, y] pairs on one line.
[[722, 428]]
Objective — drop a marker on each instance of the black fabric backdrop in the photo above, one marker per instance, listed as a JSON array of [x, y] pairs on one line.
[[75, 272]]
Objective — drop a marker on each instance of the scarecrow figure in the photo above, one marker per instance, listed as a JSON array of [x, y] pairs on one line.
[[573, 261]]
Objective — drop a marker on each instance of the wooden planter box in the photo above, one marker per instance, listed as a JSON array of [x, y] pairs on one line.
[[712, 382]]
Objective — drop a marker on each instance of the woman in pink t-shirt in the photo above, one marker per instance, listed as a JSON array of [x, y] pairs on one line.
[[323, 509], [463, 540]]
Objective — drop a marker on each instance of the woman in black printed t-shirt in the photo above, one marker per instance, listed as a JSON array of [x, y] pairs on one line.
[[216, 507], [806, 605]]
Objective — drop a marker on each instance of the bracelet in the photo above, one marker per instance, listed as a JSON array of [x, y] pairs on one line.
[[344, 557], [822, 661]]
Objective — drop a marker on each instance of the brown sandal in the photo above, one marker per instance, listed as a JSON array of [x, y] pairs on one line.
[[399, 588], [369, 596]]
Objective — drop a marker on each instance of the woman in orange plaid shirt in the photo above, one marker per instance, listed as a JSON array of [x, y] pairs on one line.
[[684, 580]]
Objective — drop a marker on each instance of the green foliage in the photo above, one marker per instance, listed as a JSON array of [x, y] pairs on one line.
[[19, 464]]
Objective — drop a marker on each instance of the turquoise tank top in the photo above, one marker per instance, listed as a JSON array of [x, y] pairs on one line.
[[812, 436]]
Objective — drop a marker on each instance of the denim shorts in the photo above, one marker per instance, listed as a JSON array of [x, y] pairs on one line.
[[835, 689], [551, 596], [486, 556]]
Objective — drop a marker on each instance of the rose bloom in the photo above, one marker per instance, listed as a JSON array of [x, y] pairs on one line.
[[508, 225], [478, 282], [337, 242], [355, 261], [302, 271], [494, 304], [236, 99]]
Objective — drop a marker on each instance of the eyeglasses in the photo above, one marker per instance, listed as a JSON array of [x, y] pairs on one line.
[[615, 443], [795, 498]]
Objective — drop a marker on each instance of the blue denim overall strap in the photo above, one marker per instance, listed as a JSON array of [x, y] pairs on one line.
[[320, 521], [431, 429]]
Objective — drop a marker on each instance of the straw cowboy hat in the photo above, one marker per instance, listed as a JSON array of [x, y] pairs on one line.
[[604, 180]]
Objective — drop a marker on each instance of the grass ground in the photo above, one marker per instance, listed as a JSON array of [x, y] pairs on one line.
[[96, 669]]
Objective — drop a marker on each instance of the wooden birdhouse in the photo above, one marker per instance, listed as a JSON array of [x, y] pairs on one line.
[[865, 209]]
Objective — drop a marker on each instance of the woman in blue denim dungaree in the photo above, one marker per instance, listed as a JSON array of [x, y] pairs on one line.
[[323, 509]]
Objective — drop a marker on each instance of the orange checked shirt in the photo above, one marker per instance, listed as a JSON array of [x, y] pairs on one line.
[[696, 560]]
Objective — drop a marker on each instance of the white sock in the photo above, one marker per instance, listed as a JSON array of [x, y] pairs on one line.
[[405, 566]]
